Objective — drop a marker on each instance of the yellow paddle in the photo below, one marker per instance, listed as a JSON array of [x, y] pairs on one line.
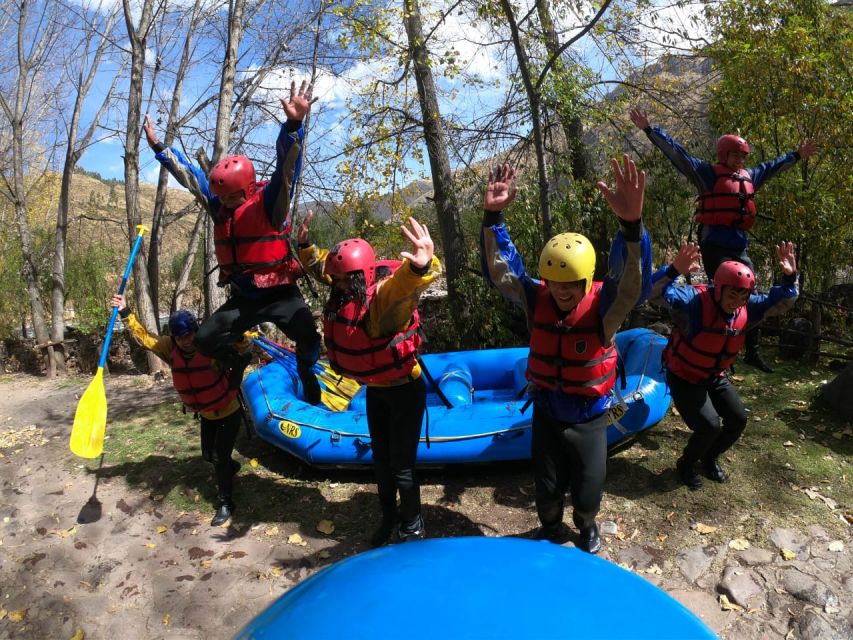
[[87, 434]]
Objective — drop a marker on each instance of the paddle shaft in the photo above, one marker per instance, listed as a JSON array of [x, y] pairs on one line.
[[105, 351]]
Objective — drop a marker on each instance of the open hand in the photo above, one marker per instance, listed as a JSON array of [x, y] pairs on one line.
[[687, 259], [787, 257], [299, 103], [807, 148], [302, 233], [639, 118], [150, 134], [500, 189], [627, 200], [422, 246]]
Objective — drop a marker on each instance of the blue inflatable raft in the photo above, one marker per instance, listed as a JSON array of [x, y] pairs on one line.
[[485, 422], [497, 588]]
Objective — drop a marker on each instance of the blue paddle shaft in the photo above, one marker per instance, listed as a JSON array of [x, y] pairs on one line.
[[106, 348]]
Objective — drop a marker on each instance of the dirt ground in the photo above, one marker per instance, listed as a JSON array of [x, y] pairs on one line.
[[127, 564]]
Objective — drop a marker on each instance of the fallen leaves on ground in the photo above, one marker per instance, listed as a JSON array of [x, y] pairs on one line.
[[703, 529], [79, 635], [253, 463], [162, 529], [726, 605], [787, 554], [787, 443], [324, 554], [167, 618], [836, 545], [151, 545], [295, 538], [739, 544], [814, 494], [272, 531], [654, 570], [326, 526], [30, 434]]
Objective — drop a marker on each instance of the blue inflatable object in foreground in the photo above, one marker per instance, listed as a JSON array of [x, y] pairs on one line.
[[484, 424], [494, 588]]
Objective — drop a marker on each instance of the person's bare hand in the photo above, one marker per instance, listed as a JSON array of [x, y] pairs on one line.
[[150, 134], [786, 252], [687, 259], [299, 104], [422, 245], [500, 189], [807, 148], [639, 118], [118, 301], [302, 233], [627, 200]]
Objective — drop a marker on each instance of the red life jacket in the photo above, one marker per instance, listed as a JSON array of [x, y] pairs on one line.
[[731, 203], [201, 388], [715, 346], [565, 348], [247, 243], [369, 360]]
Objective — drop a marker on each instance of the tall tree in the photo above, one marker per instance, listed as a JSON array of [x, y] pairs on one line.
[[138, 32], [36, 36], [96, 30], [455, 252]]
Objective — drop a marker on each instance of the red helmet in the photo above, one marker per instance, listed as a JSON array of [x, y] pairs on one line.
[[232, 174], [350, 255], [729, 143], [735, 274]]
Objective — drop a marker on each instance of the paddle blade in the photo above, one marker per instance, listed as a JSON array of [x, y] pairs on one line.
[[87, 434]]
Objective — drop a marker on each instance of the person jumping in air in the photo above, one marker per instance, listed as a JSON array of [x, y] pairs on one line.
[[204, 389], [572, 361], [711, 324], [726, 208], [371, 332], [251, 228]]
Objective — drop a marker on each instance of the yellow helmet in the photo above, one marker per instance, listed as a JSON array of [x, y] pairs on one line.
[[568, 257]]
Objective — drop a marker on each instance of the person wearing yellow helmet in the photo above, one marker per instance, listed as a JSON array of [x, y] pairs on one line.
[[572, 363]]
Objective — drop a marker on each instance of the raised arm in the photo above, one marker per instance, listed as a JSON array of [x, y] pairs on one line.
[[500, 262], [622, 289], [781, 297], [278, 192]]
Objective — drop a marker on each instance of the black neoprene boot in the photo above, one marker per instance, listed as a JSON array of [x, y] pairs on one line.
[[224, 512], [411, 531], [555, 533], [714, 471], [687, 473], [310, 386], [590, 540]]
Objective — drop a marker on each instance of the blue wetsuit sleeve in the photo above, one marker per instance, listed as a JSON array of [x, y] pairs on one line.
[[503, 267], [698, 171], [776, 302], [766, 170], [278, 192], [189, 176]]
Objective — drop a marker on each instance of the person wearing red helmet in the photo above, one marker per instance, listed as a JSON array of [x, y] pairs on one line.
[[251, 229], [204, 390], [711, 322], [726, 207], [371, 332]]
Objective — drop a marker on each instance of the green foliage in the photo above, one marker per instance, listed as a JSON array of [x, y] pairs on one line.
[[13, 293], [785, 77], [90, 276]]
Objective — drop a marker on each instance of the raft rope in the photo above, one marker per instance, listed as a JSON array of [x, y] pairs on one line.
[[637, 396], [336, 432]]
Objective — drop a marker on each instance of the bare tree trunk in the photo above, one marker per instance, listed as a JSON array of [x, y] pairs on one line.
[[73, 150], [449, 220], [189, 261], [569, 118], [215, 295], [138, 37], [163, 178], [534, 105], [33, 54]]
